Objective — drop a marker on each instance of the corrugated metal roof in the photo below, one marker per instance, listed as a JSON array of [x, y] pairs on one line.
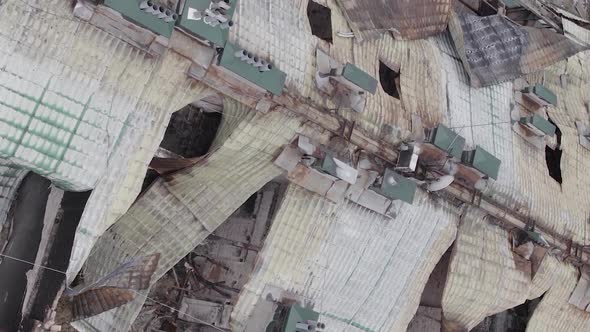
[[174, 216], [385, 116], [361, 270], [405, 19]]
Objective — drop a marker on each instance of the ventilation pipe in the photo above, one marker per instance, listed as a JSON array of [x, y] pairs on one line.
[[146, 4]]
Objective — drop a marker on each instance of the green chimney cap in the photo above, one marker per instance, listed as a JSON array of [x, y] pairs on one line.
[[539, 123], [299, 314], [403, 188], [482, 161], [272, 80], [131, 11], [543, 93], [360, 78], [198, 28], [447, 140]]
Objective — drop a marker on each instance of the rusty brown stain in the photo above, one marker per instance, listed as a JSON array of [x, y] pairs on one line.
[[214, 274], [299, 174]]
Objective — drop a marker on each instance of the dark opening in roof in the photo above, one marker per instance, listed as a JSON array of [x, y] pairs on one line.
[[553, 157], [320, 20], [390, 80]]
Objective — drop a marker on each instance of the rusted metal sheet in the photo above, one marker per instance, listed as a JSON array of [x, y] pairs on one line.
[[168, 165], [405, 19], [96, 301], [546, 48], [115, 289]]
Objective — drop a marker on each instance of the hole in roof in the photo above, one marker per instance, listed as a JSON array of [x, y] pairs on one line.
[[390, 80], [486, 9], [190, 132], [320, 20], [553, 157]]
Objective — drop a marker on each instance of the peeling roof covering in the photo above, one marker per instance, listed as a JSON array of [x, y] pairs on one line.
[[405, 19], [362, 271], [174, 216], [495, 50]]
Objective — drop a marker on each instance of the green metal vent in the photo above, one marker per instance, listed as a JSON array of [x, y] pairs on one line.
[[482, 161], [328, 165], [447, 140], [539, 125], [542, 93], [272, 80], [395, 186], [338, 169], [193, 21], [297, 315], [359, 78], [146, 17]]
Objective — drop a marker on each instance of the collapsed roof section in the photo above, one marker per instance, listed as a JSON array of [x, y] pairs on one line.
[[495, 50], [177, 214], [405, 19]]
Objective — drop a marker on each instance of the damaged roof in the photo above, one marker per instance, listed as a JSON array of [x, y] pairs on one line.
[[415, 19], [437, 83]]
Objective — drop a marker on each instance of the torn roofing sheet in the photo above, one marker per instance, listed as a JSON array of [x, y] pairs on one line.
[[486, 277], [415, 19], [116, 191], [362, 271], [495, 50], [177, 214]]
